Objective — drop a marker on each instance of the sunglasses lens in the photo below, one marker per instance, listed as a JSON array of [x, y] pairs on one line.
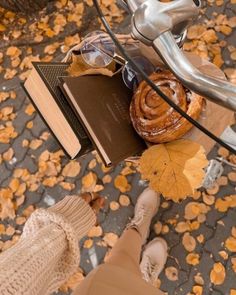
[[98, 49], [130, 77]]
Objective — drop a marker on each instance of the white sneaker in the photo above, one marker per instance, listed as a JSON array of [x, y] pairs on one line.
[[145, 209], [153, 260]]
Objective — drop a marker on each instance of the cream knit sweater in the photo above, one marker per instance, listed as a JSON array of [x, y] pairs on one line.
[[48, 251]]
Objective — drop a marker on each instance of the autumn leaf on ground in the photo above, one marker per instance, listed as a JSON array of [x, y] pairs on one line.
[[174, 169], [73, 281], [217, 274]]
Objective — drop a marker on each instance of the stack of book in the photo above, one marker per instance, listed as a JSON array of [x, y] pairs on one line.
[[84, 112]]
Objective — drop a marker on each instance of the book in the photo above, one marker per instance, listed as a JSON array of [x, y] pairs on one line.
[[102, 104], [42, 87]]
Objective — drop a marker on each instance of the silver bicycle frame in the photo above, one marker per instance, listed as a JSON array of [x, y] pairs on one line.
[[158, 24]]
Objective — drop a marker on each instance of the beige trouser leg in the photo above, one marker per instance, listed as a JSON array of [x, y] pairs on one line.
[[127, 251]]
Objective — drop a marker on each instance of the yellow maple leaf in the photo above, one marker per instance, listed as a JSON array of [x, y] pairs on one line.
[[174, 169]]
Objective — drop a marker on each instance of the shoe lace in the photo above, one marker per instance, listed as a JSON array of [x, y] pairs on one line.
[[140, 216], [150, 271]]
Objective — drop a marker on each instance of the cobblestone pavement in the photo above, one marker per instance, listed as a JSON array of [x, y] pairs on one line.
[[216, 229]]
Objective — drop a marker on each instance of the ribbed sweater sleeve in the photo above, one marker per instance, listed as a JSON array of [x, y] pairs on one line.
[[48, 250]]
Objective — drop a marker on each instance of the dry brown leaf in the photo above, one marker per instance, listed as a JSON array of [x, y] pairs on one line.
[[8, 155], [121, 183], [189, 242], [208, 199], [197, 290], [106, 179], [89, 182], [222, 205], [50, 181], [230, 244], [88, 244], [157, 227], [35, 144], [171, 273], [194, 209], [67, 185], [110, 239], [200, 238], [182, 227], [198, 279], [192, 258], [233, 231], [217, 274], [124, 200], [14, 184], [98, 188], [213, 190], [72, 282], [223, 254], [232, 176], [2, 229], [222, 181], [92, 164], [165, 229], [10, 230], [79, 68], [127, 171], [7, 208], [114, 206], [72, 169], [172, 172], [95, 231], [223, 152], [233, 261]]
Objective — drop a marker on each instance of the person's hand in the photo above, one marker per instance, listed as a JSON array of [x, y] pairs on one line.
[[94, 200]]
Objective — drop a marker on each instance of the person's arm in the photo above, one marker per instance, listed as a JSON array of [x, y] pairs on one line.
[[48, 251]]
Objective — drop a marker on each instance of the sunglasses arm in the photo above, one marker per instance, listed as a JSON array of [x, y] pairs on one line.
[[159, 25]]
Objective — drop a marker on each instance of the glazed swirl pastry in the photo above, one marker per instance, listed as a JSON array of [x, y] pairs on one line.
[[153, 119]]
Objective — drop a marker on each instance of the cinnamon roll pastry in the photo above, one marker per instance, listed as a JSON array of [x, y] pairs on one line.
[[153, 119]]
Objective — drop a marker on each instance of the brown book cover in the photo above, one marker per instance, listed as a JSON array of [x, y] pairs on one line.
[[102, 104], [42, 87]]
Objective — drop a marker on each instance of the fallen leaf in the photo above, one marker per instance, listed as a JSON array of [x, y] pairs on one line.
[[217, 274], [208, 199], [106, 179], [88, 244], [232, 176], [95, 231], [230, 244], [182, 227], [89, 182], [194, 209], [171, 273], [192, 258], [72, 282], [35, 144], [172, 172], [121, 183], [157, 227], [114, 206], [198, 279], [233, 261], [110, 239], [223, 254], [72, 169], [124, 200], [189, 242], [197, 290]]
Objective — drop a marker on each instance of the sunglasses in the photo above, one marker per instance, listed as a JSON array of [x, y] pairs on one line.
[[98, 51]]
